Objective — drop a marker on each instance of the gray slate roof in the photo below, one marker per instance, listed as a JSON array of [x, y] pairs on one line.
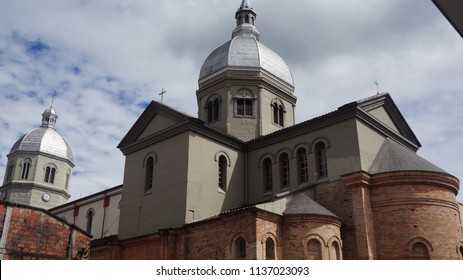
[[395, 157], [302, 204]]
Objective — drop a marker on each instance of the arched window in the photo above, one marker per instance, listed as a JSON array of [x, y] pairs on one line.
[[223, 173], [49, 175], [268, 176], [314, 248], [247, 19], [25, 169], [269, 249], [89, 216], [9, 173], [278, 112], [335, 251], [213, 109], [420, 251], [244, 103], [68, 177], [240, 248], [320, 153], [302, 165], [461, 252], [244, 107], [149, 174], [284, 170]]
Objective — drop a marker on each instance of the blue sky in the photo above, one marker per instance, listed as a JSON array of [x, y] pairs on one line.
[[106, 59]]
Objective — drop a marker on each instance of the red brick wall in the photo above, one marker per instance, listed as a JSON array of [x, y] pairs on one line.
[[215, 238], [31, 233], [337, 198], [299, 229], [415, 206]]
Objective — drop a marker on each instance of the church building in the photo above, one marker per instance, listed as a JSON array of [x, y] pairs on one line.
[[242, 180]]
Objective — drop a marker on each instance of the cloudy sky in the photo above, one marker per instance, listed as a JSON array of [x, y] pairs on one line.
[[105, 60]]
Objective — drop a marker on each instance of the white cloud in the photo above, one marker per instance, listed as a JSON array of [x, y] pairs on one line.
[[106, 59]]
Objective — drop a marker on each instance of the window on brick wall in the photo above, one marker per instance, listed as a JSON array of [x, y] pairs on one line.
[[314, 248], [420, 251], [240, 248], [335, 251], [269, 249]]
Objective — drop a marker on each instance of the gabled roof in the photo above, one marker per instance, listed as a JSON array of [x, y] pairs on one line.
[[145, 118], [395, 157], [182, 122], [385, 100], [357, 109]]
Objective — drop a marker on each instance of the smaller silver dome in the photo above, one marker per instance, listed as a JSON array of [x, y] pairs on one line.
[[45, 140]]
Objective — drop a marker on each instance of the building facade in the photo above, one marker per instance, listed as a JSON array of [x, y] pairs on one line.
[[243, 181], [96, 214]]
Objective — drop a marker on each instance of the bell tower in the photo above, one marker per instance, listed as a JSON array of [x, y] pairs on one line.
[[245, 88], [39, 166]]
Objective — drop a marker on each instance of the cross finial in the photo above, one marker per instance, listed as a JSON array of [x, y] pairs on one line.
[[162, 94], [377, 87], [53, 100]]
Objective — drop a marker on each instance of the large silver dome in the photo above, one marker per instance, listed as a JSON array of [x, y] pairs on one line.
[[246, 52], [45, 140]]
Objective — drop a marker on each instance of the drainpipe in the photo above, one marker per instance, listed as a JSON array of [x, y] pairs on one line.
[[71, 239], [105, 205]]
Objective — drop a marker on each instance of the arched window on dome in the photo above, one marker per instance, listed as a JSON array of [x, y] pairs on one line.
[[213, 109], [9, 173], [68, 177], [25, 169], [278, 112], [90, 214], [244, 103], [50, 172]]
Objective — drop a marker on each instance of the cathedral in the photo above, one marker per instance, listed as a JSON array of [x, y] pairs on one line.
[[242, 180]]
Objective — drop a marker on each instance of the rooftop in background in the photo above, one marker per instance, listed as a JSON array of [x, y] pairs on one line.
[[453, 11]]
